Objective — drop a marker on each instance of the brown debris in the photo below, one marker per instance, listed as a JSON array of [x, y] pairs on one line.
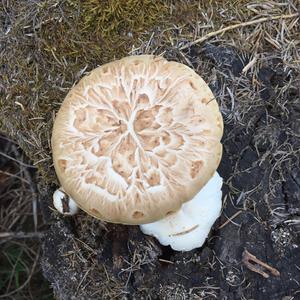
[[185, 231], [230, 219], [256, 265]]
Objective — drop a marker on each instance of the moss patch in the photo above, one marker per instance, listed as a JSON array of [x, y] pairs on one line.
[[98, 31]]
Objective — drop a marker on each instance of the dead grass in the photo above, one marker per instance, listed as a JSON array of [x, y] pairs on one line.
[[21, 227]]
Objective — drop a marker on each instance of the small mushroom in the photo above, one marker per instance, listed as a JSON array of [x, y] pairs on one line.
[[137, 142], [64, 203]]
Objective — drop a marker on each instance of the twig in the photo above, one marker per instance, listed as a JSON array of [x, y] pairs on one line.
[[256, 265], [82, 279], [185, 231], [14, 176], [231, 27], [32, 187], [166, 261], [230, 219], [249, 64], [19, 162], [21, 235], [2, 137]]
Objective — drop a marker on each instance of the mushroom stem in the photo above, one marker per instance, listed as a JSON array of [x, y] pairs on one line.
[[189, 227]]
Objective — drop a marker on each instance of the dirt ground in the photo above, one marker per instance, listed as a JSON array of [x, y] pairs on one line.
[[254, 72]]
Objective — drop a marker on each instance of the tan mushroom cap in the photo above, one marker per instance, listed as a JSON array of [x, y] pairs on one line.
[[137, 138]]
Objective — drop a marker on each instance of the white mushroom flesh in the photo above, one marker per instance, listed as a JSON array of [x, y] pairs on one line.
[[64, 203], [188, 228]]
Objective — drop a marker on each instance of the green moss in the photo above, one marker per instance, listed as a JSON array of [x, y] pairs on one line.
[[121, 16], [99, 31]]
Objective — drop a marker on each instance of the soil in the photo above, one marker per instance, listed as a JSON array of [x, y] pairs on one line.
[[260, 167]]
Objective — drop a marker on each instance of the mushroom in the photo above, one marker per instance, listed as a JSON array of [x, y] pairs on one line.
[[64, 203], [137, 139]]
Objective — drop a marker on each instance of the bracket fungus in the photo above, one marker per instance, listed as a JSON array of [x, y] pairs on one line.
[[137, 139]]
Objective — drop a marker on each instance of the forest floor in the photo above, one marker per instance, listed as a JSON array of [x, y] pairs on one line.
[[253, 67]]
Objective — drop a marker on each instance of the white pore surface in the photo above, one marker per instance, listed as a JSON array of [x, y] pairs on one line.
[[188, 228], [58, 197]]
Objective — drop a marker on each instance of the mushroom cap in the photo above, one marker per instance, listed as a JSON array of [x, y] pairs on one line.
[[136, 138]]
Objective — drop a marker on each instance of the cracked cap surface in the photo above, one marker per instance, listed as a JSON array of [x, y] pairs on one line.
[[137, 138]]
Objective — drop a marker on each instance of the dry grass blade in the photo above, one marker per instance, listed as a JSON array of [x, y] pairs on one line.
[[14, 176], [236, 26], [230, 219], [18, 161], [21, 235], [19, 250], [9, 294]]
